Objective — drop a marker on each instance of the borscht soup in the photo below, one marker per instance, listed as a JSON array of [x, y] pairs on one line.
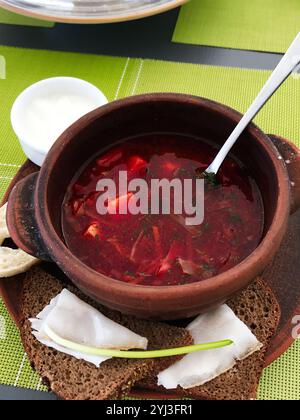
[[162, 249]]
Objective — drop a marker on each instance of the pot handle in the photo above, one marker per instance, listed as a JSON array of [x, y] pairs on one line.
[[21, 221], [291, 155]]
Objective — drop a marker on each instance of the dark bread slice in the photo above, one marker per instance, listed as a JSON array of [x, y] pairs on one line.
[[73, 379], [258, 308]]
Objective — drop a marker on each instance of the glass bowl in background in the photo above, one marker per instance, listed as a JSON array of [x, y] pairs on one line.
[[89, 11]]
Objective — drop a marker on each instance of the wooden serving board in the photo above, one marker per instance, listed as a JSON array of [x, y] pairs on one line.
[[283, 276]]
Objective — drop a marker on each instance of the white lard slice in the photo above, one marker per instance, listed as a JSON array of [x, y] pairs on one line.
[[76, 321], [198, 368]]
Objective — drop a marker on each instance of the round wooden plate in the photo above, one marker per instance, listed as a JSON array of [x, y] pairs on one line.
[[283, 276]]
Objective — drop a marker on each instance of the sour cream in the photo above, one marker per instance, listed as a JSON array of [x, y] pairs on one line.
[[46, 118], [46, 109]]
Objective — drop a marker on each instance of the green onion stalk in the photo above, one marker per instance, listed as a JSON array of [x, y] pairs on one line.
[[131, 354]]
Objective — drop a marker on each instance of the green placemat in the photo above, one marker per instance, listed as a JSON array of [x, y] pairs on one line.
[[258, 25], [15, 19], [120, 77]]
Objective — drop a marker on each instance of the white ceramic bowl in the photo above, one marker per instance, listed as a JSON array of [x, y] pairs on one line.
[[35, 151]]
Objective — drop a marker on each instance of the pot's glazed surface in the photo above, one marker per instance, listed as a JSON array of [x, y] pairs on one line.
[[166, 113]]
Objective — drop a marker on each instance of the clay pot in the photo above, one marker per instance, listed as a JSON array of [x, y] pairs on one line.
[[34, 209]]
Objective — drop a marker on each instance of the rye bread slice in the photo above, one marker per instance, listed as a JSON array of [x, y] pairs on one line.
[[73, 379], [258, 308]]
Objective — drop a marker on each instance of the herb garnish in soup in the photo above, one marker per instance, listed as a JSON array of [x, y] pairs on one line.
[[162, 250]]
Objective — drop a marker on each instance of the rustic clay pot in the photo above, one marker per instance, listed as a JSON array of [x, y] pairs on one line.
[[34, 209]]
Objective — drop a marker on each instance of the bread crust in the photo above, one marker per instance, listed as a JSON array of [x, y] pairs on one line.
[[258, 308], [72, 379]]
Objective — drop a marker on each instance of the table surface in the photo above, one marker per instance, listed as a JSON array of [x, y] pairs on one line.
[[145, 38]]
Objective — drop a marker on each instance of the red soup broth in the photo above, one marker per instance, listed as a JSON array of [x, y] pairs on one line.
[[161, 250]]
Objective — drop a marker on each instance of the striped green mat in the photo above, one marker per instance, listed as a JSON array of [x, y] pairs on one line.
[[257, 25], [16, 19], [120, 77]]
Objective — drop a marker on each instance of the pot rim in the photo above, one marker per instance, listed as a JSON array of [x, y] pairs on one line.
[[91, 280]]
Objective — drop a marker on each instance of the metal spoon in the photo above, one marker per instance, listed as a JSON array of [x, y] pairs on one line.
[[287, 65]]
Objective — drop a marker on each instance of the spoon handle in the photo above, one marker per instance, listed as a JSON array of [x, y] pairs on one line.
[[288, 63]]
